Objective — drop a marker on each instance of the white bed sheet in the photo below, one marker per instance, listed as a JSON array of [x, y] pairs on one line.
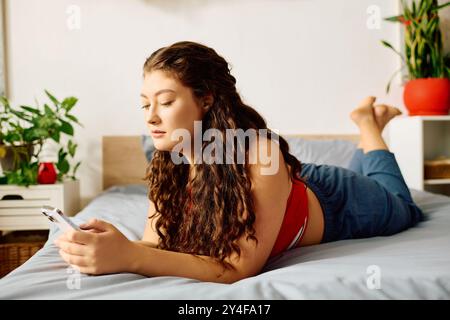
[[414, 264]]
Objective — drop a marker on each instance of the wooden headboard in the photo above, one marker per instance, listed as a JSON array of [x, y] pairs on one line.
[[124, 160]]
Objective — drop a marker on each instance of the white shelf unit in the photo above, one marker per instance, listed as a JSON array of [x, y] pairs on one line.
[[416, 139], [20, 206]]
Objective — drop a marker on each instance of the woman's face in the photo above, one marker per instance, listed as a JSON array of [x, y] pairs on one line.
[[168, 105]]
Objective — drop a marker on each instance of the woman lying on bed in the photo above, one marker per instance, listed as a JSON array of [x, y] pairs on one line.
[[221, 208]]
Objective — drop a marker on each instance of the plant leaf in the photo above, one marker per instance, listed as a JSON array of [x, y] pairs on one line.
[[12, 137], [407, 11], [388, 87], [31, 134], [30, 109], [76, 168], [55, 136], [73, 118], [63, 166], [53, 99], [72, 147], [388, 45], [66, 128], [20, 115], [48, 110], [69, 103], [394, 18], [440, 6]]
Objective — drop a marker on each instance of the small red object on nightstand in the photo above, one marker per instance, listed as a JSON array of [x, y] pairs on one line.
[[46, 173]]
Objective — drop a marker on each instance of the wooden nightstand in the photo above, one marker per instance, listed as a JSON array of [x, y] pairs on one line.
[[20, 206], [20, 211], [416, 139]]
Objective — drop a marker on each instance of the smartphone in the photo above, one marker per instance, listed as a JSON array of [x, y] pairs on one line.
[[59, 218]]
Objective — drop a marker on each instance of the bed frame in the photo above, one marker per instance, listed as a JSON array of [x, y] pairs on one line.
[[124, 160]]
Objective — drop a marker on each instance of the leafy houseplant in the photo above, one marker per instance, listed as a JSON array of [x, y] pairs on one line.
[[428, 90], [24, 131]]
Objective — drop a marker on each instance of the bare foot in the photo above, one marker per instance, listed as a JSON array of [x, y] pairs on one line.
[[364, 112], [384, 114], [370, 132]]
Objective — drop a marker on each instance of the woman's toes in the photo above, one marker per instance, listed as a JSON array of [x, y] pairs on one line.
[[368, 101], [398, 111], [362, 113], [392, 112], [384, 114], [380, 110]]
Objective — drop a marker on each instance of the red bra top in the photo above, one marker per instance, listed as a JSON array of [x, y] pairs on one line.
[[294, 221], [295, 218]]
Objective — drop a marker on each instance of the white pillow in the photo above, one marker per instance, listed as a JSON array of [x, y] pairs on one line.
[[331, 152]]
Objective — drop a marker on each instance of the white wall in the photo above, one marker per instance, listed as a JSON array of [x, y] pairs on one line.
[[303, 64], [2, 54]]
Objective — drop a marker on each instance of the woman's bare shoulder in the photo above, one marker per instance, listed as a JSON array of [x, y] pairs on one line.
[[270, 193]]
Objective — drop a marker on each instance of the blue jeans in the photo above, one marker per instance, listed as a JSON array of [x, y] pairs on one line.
[[369, 198]]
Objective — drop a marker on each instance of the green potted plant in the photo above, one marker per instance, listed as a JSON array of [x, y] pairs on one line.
[[24, 131], [427, 91]]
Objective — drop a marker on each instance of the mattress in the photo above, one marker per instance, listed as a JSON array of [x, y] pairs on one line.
[[414, 264]]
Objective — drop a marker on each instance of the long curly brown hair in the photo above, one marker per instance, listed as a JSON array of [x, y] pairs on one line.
[[218, 209]]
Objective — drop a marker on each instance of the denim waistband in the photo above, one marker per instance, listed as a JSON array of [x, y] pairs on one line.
[[326, 208]]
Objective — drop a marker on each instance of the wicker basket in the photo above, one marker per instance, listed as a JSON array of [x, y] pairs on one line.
[[437, 169], [17, 247]]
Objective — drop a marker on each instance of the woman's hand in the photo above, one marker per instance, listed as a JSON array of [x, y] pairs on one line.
[[100, 249]]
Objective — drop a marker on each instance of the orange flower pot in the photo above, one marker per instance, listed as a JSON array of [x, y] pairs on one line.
[[429, 96]]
